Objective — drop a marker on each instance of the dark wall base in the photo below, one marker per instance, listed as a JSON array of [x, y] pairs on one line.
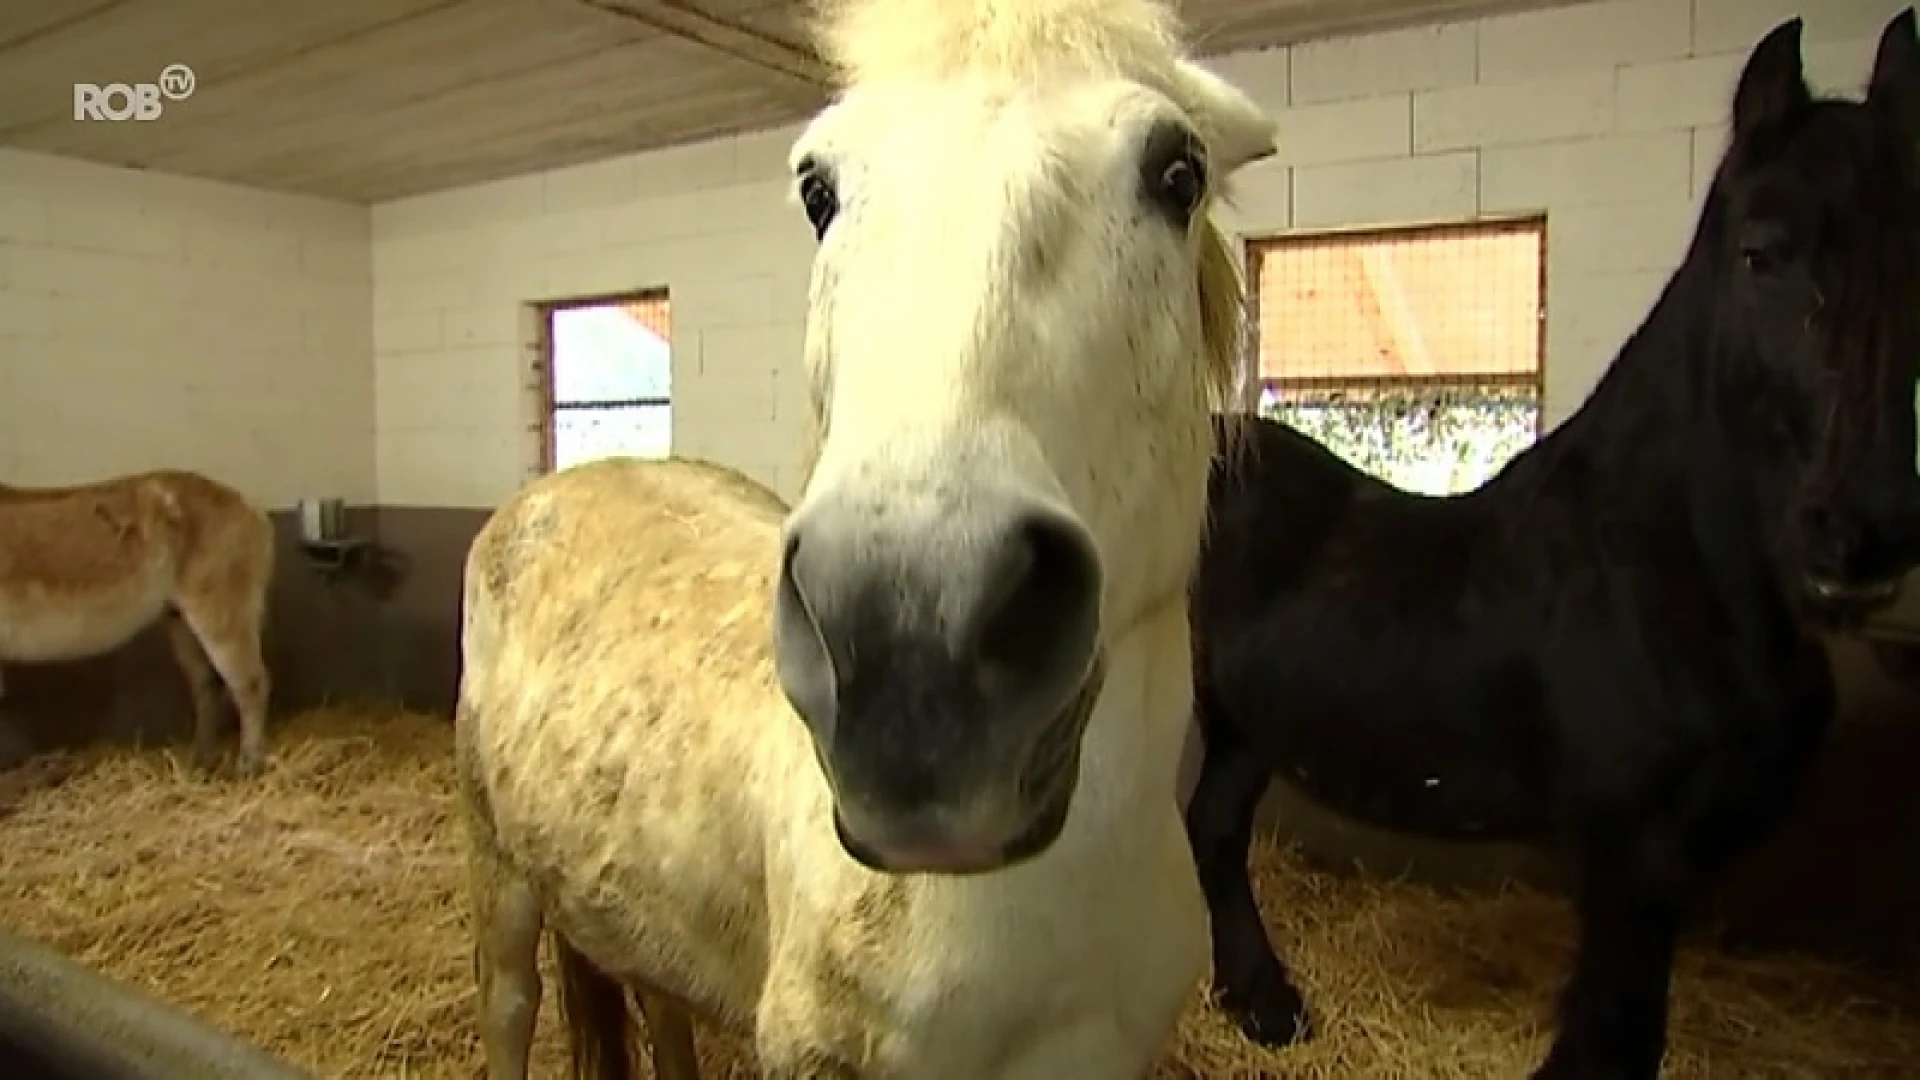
[[1844, 873], [1841, 878], [1844, 876]]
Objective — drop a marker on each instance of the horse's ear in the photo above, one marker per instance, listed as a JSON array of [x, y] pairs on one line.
[[1895, 83], [1240, 130], [1774, 85]]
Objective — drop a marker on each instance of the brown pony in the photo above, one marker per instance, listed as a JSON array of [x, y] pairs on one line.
[[83, 569]]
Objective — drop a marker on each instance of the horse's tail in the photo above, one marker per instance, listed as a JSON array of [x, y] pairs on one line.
[[599, 1025]]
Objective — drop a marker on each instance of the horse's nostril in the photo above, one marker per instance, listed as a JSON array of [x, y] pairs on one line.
[[1040, 614], [801, 657], [1827, 534], [789, 588]]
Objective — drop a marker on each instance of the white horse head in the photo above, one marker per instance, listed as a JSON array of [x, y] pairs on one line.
[[1020, 316]]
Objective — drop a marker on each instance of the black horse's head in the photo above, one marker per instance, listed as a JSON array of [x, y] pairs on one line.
[[1814, 218]]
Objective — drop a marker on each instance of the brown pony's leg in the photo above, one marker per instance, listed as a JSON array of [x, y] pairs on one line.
[[230, 634], [201, 682], [506, 949], [670, 1033]]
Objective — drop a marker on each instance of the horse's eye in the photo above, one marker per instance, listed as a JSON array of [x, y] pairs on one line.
[[1173, 172], [1183, 182], [820, 201], [1763, 247], [1760, 259]]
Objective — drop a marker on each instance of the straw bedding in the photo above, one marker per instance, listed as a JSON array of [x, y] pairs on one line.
[[319, 913]]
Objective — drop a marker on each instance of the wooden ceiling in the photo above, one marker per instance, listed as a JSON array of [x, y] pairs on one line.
[[368, 100]]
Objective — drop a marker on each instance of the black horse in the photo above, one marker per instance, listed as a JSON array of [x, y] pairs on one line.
[[1611, 649]]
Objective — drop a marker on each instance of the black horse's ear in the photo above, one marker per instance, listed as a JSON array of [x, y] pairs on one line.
[[1773, 86], [1896, 71]]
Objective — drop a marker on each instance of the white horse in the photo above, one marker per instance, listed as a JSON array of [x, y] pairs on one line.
[[892, 788]]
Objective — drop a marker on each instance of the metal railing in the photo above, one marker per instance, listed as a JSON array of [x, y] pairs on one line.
[[60, 1020]]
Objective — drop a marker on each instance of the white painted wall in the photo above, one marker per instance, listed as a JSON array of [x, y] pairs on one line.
[[149, 321], [296, 346], [454, 349], [1608, 116]]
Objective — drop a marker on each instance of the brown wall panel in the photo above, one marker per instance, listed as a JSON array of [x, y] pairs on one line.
[[1845, 875]]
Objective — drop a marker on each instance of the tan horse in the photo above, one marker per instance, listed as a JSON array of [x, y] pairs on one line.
[[83, 569], [889, 782]]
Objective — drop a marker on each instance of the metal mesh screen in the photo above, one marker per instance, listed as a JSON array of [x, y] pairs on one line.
[[1413, 353], [1447, 302]]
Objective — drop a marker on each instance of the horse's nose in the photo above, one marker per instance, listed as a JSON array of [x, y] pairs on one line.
[[929, 648], [925, 843]]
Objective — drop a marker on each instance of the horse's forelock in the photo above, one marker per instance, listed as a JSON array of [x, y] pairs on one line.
[[868, 41], [1869, 325], [1869, 298]]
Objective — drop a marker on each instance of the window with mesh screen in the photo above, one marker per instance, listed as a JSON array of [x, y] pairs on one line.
[[1413, 353], [609, 380]]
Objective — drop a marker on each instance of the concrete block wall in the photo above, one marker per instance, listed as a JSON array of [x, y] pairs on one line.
[[1608, 116], [152, 321], [456, 275]]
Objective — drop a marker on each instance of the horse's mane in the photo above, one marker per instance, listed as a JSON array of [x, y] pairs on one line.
[[1223, 316], [867, 41]]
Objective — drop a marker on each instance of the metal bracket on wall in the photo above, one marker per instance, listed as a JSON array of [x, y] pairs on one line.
[[331, 557], [380, 570]]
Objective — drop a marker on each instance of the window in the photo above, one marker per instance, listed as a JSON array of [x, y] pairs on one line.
[[609, 377], [1413, 353]]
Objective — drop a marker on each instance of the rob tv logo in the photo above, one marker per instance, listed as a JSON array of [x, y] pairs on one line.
[[136, 101]]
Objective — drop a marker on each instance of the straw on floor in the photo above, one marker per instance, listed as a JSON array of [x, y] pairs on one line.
[[319, 912]]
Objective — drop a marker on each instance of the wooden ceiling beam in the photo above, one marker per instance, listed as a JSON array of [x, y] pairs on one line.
[[797, 67], [47, 22], [1224, 26]]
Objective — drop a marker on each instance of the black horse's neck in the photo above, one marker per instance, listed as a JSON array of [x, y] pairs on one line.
[[1646, 408], [1685, 421]]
